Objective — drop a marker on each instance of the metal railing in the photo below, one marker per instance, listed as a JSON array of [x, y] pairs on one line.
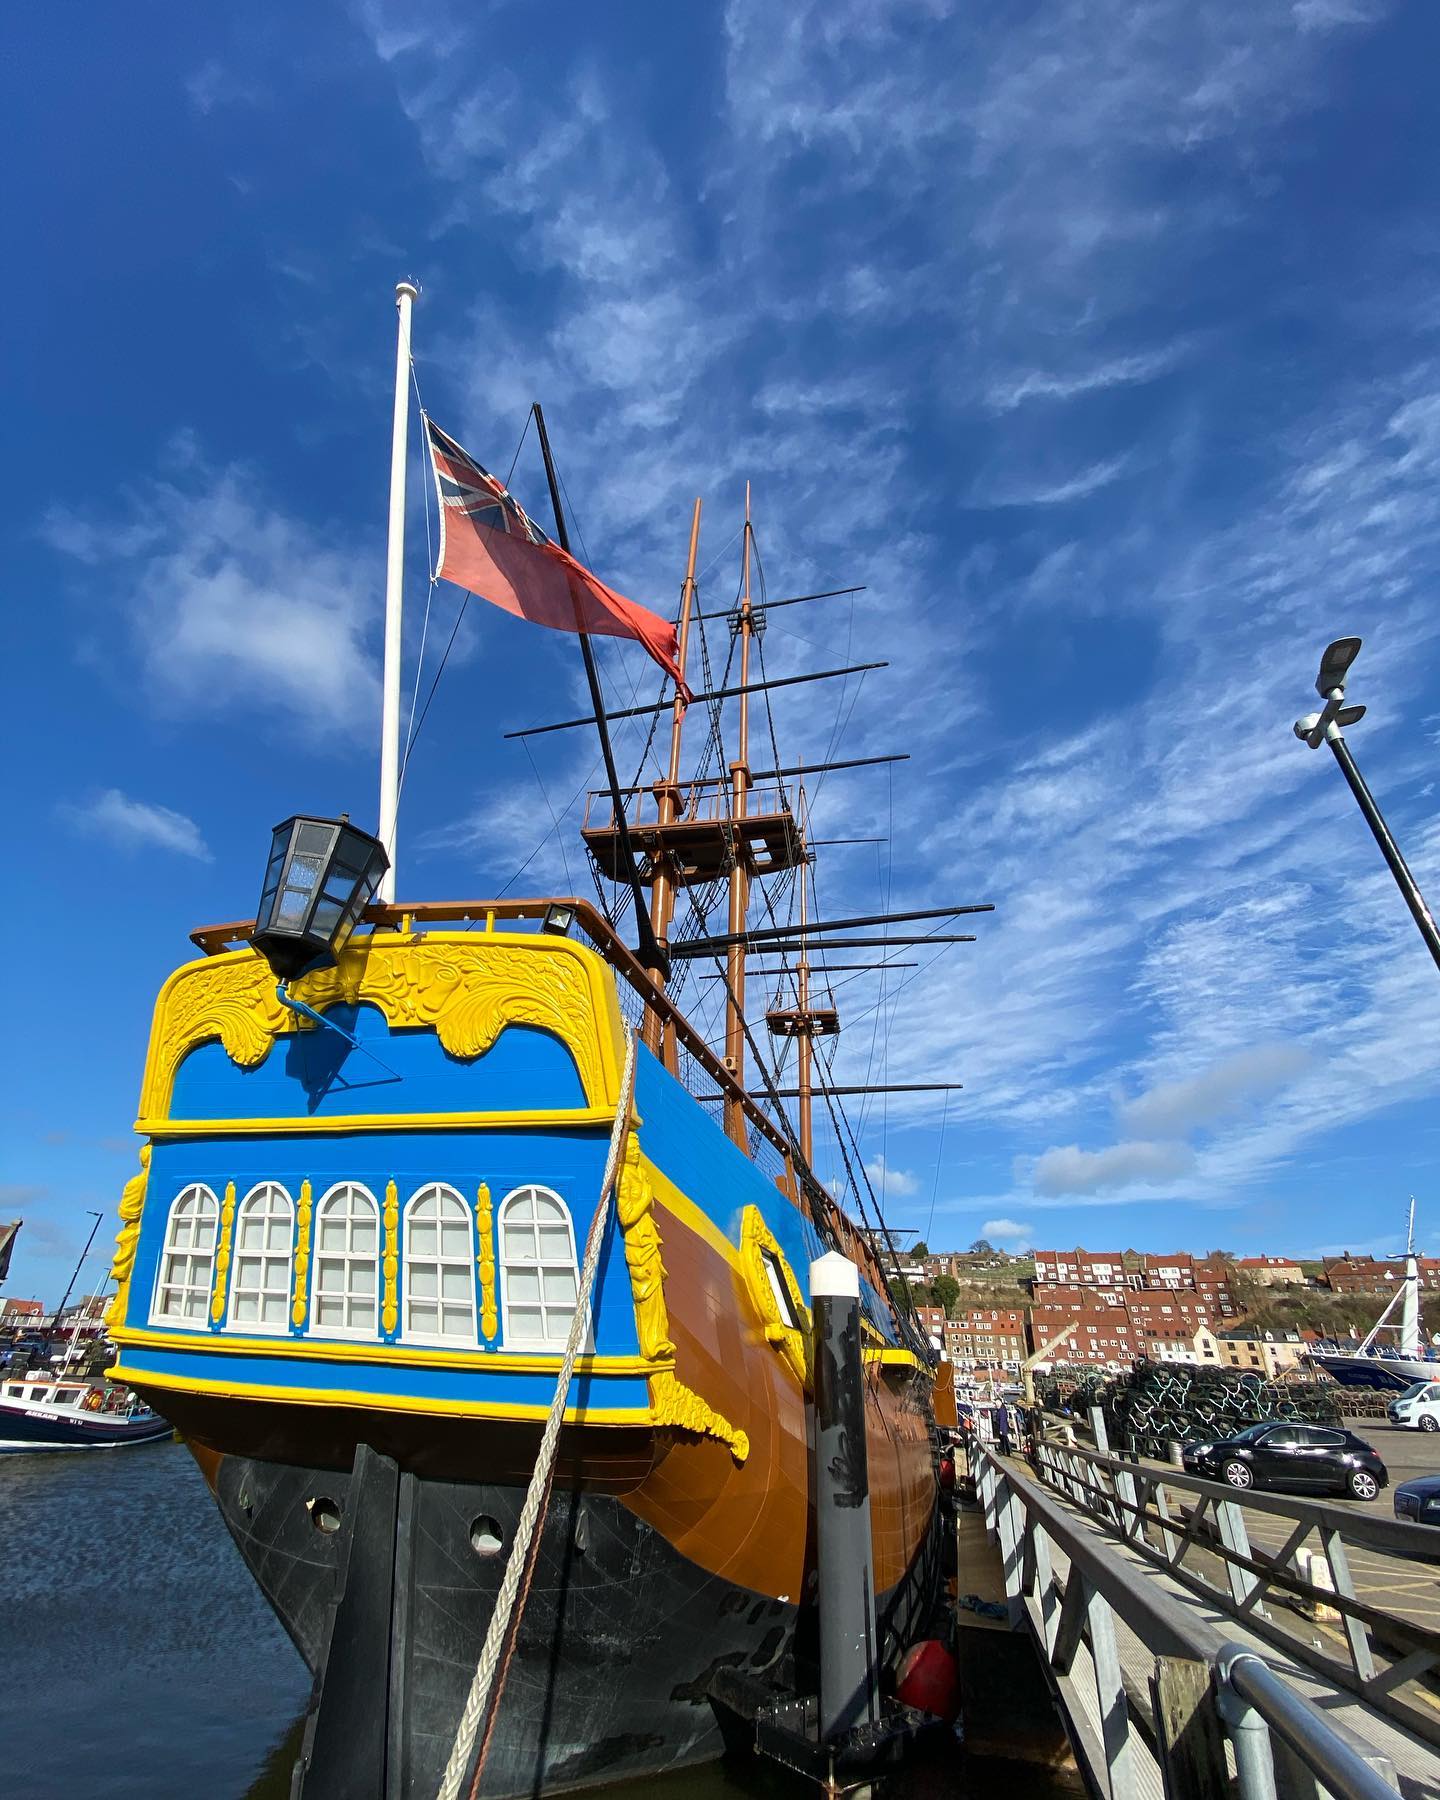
[[1210, 1703], [1176, 1521]]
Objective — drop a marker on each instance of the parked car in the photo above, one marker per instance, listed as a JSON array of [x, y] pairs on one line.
[[1282, 1454], [1418, 1501], [1418, 1406]]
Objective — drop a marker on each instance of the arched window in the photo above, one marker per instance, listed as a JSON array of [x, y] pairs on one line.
[[347, 1261], [260, 1273], [537, 1254], [439, 1267], [187, 1264]]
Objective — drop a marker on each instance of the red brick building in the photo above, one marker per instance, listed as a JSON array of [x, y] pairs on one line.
[[1082, 1268], [1366, 1275], [21, 1312], [986, 1337]]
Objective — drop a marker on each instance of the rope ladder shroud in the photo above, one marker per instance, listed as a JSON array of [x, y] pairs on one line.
[[483, 1700]]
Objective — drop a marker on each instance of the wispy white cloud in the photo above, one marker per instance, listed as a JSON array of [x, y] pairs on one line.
[[136, 824], [1011, 1233], [1176, 1108], [1008, 392], [229, 598], [891, 1183], [1072, 1170], [1080, 486]]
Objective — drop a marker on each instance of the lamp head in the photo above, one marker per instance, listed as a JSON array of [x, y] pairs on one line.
[[1335, 665]]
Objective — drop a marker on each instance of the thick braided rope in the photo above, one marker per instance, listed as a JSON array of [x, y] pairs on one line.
[[478, 1702]]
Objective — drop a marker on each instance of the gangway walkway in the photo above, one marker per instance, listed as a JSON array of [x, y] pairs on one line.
[[1173, 1674]]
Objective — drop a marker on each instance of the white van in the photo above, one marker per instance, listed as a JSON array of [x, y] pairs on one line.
[[1418, 1406]]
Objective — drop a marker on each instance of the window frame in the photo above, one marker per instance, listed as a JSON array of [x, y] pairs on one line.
[[443, 1340], [158, 1316], [260, 1326], [542, 1346], [372, 1334]]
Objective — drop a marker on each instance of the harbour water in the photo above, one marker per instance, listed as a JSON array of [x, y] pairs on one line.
[[143, 1664]]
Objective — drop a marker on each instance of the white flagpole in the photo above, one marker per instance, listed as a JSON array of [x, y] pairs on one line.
[[406, 294]]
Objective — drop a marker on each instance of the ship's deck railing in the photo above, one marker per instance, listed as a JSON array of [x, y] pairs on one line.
[[1178, 1521], [696, 802], [1205, 1692]]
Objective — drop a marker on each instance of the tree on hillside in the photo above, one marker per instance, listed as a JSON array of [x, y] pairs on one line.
[[982, 1247], [947, 1291], [920, 1250]]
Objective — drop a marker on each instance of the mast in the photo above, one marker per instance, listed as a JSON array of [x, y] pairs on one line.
[[667, 794], [739, 873], [802, 1000], [650, 953], [406, 293], [1410, 1305]]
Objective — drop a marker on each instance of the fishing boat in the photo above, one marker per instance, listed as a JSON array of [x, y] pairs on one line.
[[1372, 1363], [41, 1411], [475, 1277]]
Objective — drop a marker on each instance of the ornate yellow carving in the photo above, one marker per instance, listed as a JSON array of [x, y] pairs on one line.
[[222, 1253], [675, 1405], [485, 1220], [299, 1304], [672, 1404], [756, 1238], [132, 1204], [390, 1261], [635, 1208], [469, 990]]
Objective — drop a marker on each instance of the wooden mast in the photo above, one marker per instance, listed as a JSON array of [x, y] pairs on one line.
[[739, 872], [802, 996], [667, 795]]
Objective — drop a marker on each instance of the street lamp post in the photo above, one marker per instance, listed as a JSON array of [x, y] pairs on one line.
[[1324, 727]]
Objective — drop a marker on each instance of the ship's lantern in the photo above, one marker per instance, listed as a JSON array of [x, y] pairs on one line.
[[322, 875]]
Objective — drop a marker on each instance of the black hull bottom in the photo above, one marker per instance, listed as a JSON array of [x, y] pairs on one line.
[[619, 1645]]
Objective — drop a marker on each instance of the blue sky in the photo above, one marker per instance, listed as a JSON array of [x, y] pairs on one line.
[[1099, 340]]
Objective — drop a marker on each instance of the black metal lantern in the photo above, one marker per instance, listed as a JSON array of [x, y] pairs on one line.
[[323, 873]]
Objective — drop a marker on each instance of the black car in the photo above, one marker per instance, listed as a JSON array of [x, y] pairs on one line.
[[1419, 1501], [1313, 1458]]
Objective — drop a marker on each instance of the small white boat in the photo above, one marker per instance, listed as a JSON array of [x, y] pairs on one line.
[[1373, 1365], [41, 1411]]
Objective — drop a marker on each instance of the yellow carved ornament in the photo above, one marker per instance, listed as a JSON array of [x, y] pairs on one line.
[[468, 987], [222, 1253], [672, 1404], [635, 1206], [756, 1238], [127, 1239], [390, 1261], [485, 1222], [299, 1304]]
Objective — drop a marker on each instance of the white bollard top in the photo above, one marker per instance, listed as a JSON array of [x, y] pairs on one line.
[[834, 1277]]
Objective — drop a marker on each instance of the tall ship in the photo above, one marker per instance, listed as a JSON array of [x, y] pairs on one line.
[[475, 1277], [1376, 1361]]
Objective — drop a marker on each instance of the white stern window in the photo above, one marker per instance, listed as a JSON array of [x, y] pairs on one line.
[[260, 1285], [347, 1262], [187, 1263], [537, 1254], [439, 1268]]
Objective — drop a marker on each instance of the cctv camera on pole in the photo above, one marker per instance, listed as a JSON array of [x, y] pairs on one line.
[[1324, 727]]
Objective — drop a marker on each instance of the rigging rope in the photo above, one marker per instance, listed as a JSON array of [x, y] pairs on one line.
[[488, 1684]]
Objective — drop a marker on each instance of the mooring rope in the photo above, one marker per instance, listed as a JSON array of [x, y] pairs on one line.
[[485, 1691]]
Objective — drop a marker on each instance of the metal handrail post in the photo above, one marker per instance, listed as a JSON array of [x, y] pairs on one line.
[[1243, 1675], [1249, 1734]]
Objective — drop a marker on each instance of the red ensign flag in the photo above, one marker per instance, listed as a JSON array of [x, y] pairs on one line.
[[488, 545]]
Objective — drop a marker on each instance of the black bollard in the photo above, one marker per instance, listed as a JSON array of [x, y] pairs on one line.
[[848, 1657]]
